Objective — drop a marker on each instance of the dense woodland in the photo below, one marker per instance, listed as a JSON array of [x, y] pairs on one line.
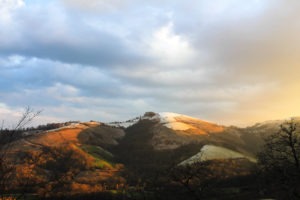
[[137, 171]]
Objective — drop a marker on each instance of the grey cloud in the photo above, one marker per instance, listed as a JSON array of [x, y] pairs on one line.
[[104, 52], [100, 65], [35, 73], [65, 37]]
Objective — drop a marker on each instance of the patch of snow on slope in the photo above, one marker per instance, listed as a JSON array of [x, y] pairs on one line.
[[70, 126], [210, 152], [277, 122], [169, 120], [179, 126], [79, 125], [93, 123], [170, 117], [125, 124]]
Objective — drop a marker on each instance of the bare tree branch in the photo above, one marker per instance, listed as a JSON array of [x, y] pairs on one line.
[[7, 167]]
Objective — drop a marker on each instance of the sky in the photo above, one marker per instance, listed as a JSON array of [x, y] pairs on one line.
[[227, 61]]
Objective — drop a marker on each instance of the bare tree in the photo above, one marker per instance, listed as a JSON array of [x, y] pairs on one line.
[[279, 159], [7, 167], [193, 177], [282, 149]]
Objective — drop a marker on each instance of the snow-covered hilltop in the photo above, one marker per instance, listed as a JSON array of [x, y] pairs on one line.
[[170, 120]]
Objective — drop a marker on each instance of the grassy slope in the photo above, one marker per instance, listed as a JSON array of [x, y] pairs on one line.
[[103, 158]]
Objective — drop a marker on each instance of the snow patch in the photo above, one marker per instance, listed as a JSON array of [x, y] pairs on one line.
[[126, 124], [93, 123], [170, 120], [76, 125], [277, 122], [171, 117], [210, 152], [179, 126]]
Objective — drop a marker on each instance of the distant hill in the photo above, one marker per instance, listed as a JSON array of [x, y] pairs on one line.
[[94, 156]]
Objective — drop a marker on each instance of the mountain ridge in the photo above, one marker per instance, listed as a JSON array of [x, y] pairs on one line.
[[100, 153]]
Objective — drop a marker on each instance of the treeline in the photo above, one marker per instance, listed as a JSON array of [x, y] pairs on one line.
[[43, 127], [50, 126], [9, 135]]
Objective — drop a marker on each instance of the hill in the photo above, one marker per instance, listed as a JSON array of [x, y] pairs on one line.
[[70, 159], [93, 157]]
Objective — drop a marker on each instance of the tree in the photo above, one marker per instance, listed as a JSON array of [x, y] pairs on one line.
[[279, 159], [193, 177], [7, 167]]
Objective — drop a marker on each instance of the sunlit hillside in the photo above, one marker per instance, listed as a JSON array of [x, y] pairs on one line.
[[77, 159]]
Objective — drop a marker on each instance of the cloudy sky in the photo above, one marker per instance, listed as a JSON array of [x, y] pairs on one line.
[[228, 61]]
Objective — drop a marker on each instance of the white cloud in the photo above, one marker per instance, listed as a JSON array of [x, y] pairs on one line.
[[11, 61], [211, 59], [170, 48], [7, 7], [97, 5], [9, 32], [9, 117]]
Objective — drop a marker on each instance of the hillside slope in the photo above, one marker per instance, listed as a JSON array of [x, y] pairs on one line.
[[72, 159], [92, 156]]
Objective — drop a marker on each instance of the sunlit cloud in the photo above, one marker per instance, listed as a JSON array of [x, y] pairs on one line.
[[170, 49], [232, 62]]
